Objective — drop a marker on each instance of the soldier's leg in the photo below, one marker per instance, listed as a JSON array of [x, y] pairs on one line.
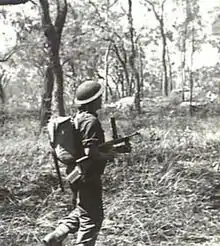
[[89, 228], [73, 187], [90, 213], [69, 224], [56, 237]]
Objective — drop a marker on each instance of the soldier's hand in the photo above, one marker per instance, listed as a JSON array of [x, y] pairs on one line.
[[110, 155], [125, 148]]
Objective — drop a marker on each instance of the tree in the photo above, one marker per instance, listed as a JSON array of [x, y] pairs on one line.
[[4, 79], [159, 14], [184, 39], [53, 78], [86, 55], [133, 58], [2, 92], [99, 47], [54, 73], [192, 10]]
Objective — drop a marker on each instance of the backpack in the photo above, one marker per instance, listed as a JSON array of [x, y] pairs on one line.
[[65, 139]]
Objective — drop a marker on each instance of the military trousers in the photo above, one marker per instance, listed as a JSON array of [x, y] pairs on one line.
[[86, 219]]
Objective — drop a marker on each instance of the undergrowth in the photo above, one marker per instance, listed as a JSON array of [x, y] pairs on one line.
[[166, 192]]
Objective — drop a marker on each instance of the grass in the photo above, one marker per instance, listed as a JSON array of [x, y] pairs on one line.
[[166, 192]]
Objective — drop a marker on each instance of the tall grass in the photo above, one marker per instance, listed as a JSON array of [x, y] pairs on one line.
[[163, 193]]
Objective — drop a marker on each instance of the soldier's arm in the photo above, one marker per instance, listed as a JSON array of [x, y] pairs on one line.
[[91, 143], [94, 153]]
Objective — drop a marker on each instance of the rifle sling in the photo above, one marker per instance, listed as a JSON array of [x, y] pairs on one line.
[[57, 167]]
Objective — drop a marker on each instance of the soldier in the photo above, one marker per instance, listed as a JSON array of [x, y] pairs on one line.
[[86, 219]]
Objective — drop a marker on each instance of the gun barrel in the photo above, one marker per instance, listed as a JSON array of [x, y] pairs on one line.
[[117, 141], [120, 140]]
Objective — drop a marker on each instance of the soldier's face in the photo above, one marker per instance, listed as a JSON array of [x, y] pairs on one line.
[[98, 103]]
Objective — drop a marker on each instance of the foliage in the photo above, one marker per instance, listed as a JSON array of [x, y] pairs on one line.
[[91, 28]]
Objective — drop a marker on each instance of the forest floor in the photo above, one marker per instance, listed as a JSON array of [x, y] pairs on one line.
[[166, 192]]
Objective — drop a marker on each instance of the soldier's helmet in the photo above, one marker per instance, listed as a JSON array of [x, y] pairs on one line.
[[88, 92]]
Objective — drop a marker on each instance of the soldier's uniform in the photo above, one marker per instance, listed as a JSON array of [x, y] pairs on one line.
[[87, 217]]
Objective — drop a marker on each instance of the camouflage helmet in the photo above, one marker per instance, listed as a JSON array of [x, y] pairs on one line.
[[88, 91]]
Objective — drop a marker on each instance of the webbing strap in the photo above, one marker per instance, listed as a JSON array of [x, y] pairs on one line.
[[76, 123]]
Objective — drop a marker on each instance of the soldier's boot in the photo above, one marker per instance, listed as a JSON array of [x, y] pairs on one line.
[[56, 237]]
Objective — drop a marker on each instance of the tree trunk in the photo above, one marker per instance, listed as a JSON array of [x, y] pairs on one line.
[[191, 93], [183, 74], [132, 59], [141, 72], [53, 34], [170, 71], [58, 88], [106, 72], [191, 69], [123, 62], [164, 62], [123, 90], [160, 19], [184, 54], [2, 94], [45, 112]]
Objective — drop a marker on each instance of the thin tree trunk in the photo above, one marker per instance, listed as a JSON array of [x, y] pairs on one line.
[[123, 90], [141, 73], [184, 55], [123, 63], [170, 71], [165, 78], [45, 111], [183, 73], [164, 62], [106, 72], [191, 70], [160, 19], [132, 59], [2, 93]]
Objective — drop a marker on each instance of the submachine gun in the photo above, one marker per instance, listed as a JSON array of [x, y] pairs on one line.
[[113, 144]]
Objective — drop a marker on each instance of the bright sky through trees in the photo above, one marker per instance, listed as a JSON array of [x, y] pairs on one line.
[[142, 17]]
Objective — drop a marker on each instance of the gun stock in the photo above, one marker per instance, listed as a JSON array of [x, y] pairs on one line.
[[57, 169]]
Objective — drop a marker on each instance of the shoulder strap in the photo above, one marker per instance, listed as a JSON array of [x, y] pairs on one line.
[[51, 132], [76, 122]]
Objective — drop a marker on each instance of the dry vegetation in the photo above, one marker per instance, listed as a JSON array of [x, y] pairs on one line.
[[166, 192]]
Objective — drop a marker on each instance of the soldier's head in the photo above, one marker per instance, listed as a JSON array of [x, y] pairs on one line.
[[89, 96]]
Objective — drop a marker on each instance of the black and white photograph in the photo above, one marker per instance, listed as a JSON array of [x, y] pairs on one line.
[[109, 122]]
